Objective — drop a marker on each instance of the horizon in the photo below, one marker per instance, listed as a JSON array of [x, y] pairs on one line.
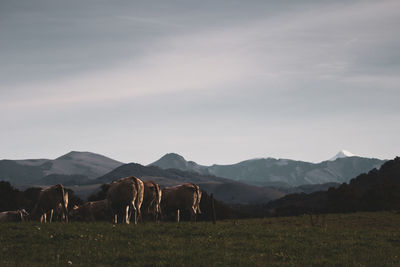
[[216, 81], [194, 160]]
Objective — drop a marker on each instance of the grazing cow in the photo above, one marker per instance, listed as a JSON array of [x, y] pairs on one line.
[[181, 197], [91, 211], [49, 200], [124, 197], [13, 216], [151, 200]]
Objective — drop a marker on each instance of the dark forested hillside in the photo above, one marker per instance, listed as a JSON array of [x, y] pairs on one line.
[[372, 191]]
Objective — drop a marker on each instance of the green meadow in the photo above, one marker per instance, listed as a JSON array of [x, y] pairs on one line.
[[356, 239]]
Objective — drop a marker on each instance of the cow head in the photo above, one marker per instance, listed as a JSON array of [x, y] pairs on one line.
[[73, 213], [23, 214]]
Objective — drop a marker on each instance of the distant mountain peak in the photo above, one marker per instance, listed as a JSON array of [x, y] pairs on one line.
[[171, 160], [176, 161], [87, 163], [77, 153], [172, 156], [342, 154]]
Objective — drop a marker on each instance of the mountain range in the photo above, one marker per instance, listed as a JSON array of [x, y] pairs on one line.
[[250, 181], [279, 172]]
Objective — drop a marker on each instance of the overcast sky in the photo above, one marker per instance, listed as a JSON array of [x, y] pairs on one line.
[[215, 81]]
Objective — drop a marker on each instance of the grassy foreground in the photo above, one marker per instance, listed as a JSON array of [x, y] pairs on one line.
[[359, 239]]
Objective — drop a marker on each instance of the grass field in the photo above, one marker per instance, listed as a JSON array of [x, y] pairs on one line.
[[358, 239]]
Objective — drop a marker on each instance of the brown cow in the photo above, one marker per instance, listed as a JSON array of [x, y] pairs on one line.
[[124, 197], [13, 216], [151, 200], [49, 200], [91, 211], [181, 197]]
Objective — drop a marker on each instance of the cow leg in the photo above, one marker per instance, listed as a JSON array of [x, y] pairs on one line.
[[177, 215], [193, 214], [129, 212], [114, 216], [159, 215], [133, 210], [139, 215], [121, 215], [51, 215], [127, 216], [65, 215]]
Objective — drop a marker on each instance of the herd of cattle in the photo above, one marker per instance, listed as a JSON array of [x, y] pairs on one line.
[[128, 199]]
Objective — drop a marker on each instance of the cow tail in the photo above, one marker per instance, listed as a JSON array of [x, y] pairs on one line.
[[137, 212], [158, 199], [21, 215], [198, 199], [64, 209], [137, 188]]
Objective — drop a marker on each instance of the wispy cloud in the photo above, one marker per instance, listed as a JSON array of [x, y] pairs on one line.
[[253, 78]]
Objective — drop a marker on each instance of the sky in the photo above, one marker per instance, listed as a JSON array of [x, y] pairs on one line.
[[214, 81]]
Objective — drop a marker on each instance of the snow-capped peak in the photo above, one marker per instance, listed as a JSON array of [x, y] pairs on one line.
[[342, 154]]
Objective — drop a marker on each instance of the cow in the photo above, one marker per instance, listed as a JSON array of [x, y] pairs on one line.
[[91, 211], [151, 200], [124, 197], [49, 200], [13, 216], [181, 197]]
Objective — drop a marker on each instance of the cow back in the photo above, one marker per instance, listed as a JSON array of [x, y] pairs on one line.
[[152, 197], [179, 197], [122, 192]]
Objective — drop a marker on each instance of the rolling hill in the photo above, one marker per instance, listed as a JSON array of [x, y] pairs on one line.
[[62, 169]]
